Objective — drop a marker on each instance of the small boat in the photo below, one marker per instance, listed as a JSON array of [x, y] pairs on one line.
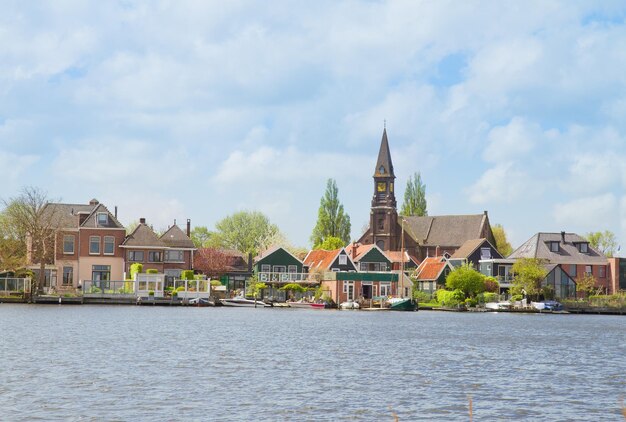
[[496, 306], [306, 305], [240, 301], [349, 305], [201, 301], [402, 304]]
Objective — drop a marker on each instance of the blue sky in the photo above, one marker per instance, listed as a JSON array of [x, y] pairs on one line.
[[197, 109]]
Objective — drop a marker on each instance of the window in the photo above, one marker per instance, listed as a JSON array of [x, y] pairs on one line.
[[279, 268], [109, 245], [335, 270], [94, 245], [554, 246], [68, 276], [381, 169], [601, 271], [68, 244], [174, 256], [572, 270], [381, 224], [583, 247], [588, 270], [101, 272], [265, 268], [485, 253], [383, 266], [343, 259], [385, 289], [154, 256], [103, 218], [135, 256], [292, 269]]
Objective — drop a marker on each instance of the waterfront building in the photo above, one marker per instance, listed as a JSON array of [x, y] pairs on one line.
[[472, 251], [617, 268], [321, 260], [569, 251], [420, 237], [86, 246], [168, 254], [431, 274]]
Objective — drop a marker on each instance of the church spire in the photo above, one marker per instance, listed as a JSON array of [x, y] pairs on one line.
[[384, 166]]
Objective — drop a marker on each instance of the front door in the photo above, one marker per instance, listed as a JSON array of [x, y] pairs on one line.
[[350, 291], [367, 291]]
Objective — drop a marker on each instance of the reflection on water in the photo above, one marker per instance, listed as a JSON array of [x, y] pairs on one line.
[[151, 363]]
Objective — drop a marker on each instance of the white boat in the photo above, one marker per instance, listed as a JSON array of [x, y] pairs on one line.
[[498, 305], [306, 305], [241, 301], [349, 305]]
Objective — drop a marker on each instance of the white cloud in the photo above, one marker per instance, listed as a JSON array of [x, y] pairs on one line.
[[502, 183], [511, 142], [588, 213]]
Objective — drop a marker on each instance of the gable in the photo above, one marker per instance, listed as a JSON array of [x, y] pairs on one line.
[[279, 257], [348, 266], [374, 255]]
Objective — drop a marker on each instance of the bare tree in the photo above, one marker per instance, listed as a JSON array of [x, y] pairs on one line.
[[33, 220]]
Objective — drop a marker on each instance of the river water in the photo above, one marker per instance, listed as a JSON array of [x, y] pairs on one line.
[[156, 363]]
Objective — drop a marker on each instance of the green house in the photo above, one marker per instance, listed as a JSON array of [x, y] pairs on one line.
[[277, 265]]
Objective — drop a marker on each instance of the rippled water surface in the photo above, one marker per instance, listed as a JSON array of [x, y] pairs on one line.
[[153, 363]]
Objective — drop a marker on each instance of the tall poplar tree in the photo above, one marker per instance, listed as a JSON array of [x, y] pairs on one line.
[[414, 197], [332, 221]]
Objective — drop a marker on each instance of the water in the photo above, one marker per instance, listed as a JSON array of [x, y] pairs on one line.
[[152, 363]]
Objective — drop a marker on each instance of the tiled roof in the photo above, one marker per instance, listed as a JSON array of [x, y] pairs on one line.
[[397, 256], [321, 259], [174, 237], [470, 246], [357, 250], [143, 236], [92, 220], [68, 215], [431, 268], [445, 230], [538, 246]]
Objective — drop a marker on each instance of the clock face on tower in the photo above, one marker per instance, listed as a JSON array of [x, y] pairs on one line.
[[381, 187]]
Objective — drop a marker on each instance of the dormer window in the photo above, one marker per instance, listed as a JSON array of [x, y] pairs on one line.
[[583, 247], [103, 218], [554, 246], [381, 169]]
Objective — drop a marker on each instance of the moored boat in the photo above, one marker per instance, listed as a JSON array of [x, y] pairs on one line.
[[402, 304], [306, 305], [349, 305], [201, 301], [240, 301]]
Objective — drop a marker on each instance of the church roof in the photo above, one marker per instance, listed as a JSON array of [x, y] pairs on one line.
[[445, 230], [384, 166]]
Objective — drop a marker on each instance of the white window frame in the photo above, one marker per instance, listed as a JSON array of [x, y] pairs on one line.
[[602, 271], [386, 288], [343, 259], [584, 246], [104, 246], [266, 268], [588, 270], [552, 245], [106, 218], [69, 236], [485, 253], [292, 269], [279, 269], [91, 242]]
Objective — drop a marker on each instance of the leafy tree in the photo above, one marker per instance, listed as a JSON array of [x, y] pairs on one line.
[[201, 236], [31, 218], [212, 262], [492, 285], [528, 273], [12, 248], [331, 243], [604, 242], [414, 197], [502, 244], [332, 221], [466, 279], [586, 284], [246, 232]]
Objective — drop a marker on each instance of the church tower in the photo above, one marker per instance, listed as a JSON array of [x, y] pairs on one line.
[[384, 215]]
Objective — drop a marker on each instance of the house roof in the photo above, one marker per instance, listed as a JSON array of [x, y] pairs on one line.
[[264, 254], [143, 236], [175, 237], [398, 256], [384, 158], [445, 230], [321, 259], [68, 215], [92, 220], [430, 269], [236, 261], [470, 246], [538, 247]]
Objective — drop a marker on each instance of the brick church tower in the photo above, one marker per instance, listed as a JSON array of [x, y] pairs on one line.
[[383, 230]]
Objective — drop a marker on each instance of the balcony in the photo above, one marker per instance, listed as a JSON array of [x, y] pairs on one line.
[[272, 277]]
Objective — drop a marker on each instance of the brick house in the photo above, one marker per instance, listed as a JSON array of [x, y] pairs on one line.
[[86, 245]]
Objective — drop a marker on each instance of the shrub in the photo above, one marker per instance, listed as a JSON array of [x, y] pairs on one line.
[[471, 302], [187, 275], [135, 269], [450, 298], [180, 288], [421, 296], [516, 298], [151, 271], [492, 285], [216, 283], [174, 294], [151, 293]]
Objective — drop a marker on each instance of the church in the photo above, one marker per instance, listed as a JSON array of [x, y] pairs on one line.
[[420, 237]]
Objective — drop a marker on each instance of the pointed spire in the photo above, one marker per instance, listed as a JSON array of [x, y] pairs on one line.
[[384, 166]]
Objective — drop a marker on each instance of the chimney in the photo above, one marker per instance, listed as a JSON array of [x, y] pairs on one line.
[[142, 220], [188, 227], [485, 212], [174, 221], [115, 212], [354, 246], [249, 262], [563, 237], [436, 251]]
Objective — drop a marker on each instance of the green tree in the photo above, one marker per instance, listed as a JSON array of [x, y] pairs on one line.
[[332, 221], [586, 284], [201, 236], [331, 243], [528, 274], [30, 217], [414, 197], [604, 242], [246, 232], [12, 248], [466, 279], [492, 285], [502, 244]]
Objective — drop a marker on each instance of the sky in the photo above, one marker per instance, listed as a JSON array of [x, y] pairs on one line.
[[198, 109]]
